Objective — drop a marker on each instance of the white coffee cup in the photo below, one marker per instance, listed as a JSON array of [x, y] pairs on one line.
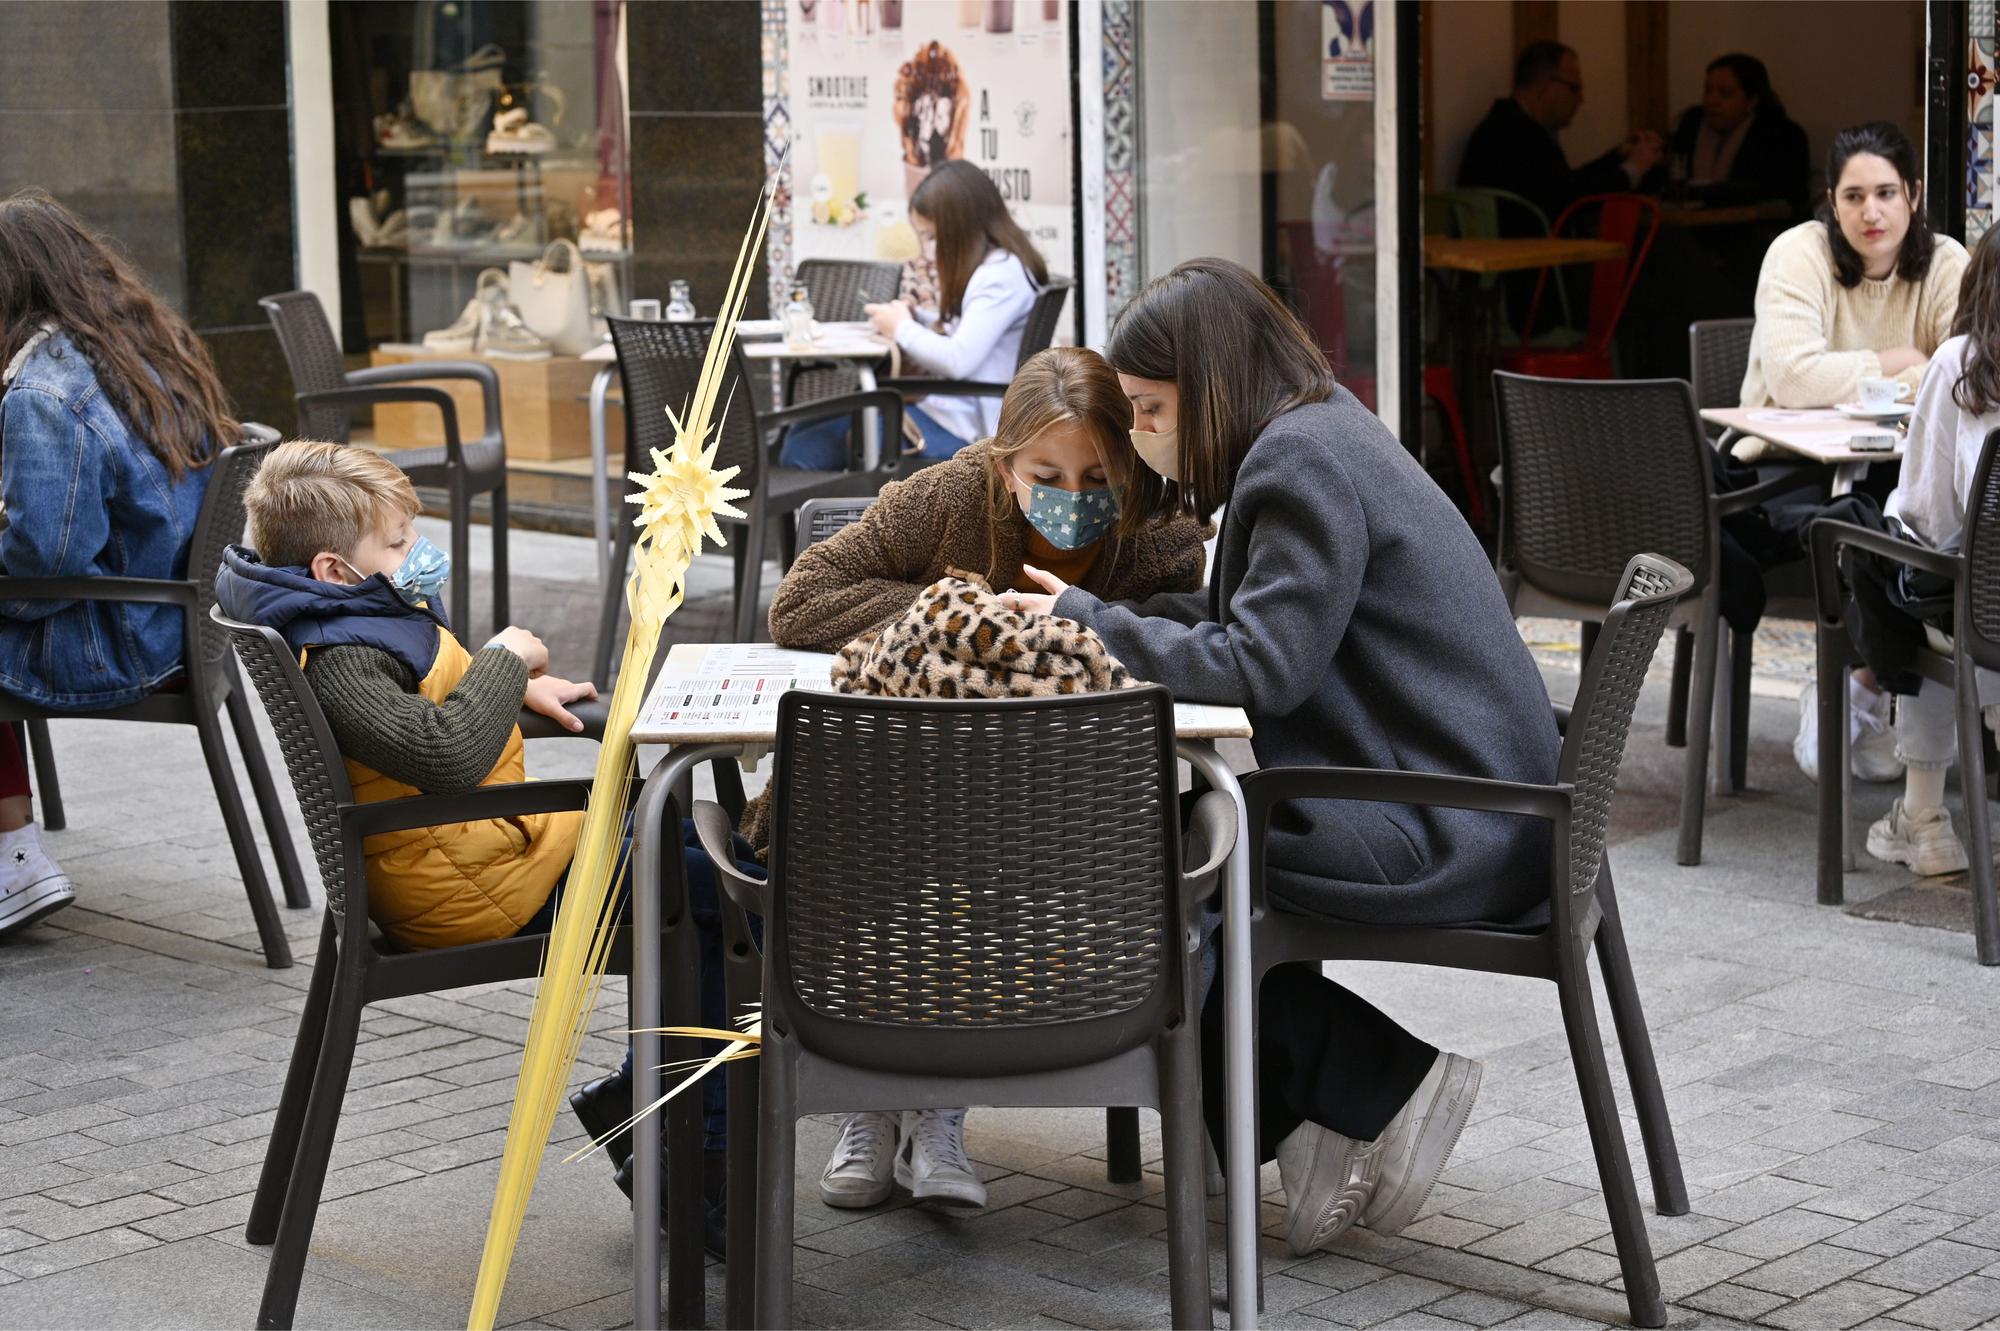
[[1878, 394]]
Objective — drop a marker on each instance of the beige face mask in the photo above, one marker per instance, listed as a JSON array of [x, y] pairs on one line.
[[1161, 451]]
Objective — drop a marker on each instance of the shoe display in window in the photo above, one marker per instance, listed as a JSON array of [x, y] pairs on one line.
[[502, 330], [401, 131], [516, 230], [603, 232], [514, 133], [462, 335]]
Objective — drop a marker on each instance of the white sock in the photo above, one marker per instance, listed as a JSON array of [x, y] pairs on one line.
[[1923, 788], [1867, 709]]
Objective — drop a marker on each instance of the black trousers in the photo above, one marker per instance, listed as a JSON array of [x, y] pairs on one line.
[[1324, 1053]]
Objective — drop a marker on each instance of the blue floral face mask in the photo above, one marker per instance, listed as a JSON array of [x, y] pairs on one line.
[[422, 574], [1071, 519]]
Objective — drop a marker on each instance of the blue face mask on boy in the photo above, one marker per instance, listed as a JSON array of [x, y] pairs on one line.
[[420, 576], [1071, 519]]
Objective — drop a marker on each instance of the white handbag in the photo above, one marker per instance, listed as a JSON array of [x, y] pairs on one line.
[[553, 296]]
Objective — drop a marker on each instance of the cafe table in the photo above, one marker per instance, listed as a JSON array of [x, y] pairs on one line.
[[759, 340], [1820, 434], [713, 701]]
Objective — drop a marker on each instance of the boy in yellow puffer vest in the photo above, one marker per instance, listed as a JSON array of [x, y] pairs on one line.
[[340, 572]]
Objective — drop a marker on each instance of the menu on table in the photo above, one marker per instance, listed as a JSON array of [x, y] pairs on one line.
[[735, 686]]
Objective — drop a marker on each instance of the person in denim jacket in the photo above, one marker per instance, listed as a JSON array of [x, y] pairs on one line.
[[110, 411]]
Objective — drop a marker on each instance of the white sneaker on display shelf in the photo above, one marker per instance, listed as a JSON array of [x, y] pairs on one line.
[[32, 886], [514, 133], [463, 333], [603, 231]]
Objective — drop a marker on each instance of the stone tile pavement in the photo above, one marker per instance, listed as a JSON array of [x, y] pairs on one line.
[[1835, 1084]]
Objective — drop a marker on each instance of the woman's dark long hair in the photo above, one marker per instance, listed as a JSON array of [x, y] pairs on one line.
[[971, 218], [1880, 139], [147, 360], [1240, 359], [1754, 79], [1978, 321]]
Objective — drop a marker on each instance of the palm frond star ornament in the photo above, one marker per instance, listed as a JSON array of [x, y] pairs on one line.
[[679, 504]]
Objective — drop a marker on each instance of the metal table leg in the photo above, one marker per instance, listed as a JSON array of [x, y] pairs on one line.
[[600, 467], [1239, 999], [871, 419], [678, 765]]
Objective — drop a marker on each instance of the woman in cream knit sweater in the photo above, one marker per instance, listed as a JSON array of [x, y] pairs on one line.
[[1865, 291]]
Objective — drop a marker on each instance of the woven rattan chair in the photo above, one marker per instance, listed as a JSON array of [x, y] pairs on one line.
[[1580, 910], [209, 686], [1593, 473], [1036, 337], [660, 365], [327, 395], [1719, 351], [841, 291], [356, 967], [1975, 643], [934, 958]]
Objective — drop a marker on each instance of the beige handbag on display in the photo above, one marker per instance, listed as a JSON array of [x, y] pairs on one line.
[[553, 296]]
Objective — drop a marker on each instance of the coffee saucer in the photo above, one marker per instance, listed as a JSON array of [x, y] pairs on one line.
[[1893, 412]]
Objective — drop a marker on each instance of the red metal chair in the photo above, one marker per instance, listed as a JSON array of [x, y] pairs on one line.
[[1324, 308], [1630, 219]]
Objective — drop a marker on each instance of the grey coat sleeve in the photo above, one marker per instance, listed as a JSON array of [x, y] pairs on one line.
[[1308, 554], [379, 718]]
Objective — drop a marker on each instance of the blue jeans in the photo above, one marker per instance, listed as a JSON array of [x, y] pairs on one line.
[[823, 446]]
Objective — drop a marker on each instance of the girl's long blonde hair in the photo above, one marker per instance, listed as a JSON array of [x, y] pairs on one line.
[[1056, 387]]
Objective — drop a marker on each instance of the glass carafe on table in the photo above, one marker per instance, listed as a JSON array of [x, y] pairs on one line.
[[799, 320], [680, 302]]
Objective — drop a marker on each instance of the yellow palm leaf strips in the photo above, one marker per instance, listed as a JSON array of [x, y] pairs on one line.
[[678, 507]]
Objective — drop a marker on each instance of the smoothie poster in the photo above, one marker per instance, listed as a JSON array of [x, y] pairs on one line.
[[881, 91]]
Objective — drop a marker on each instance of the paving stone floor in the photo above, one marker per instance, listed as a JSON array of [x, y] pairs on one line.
[[1835, 1084]]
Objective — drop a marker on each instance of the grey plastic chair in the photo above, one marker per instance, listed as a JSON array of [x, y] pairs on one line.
[[841, 291], [1975, 643], [1580, 910], [1038, 335], [327, 394], [660, 365], [1593, 473], [356, 967], [932, 958], [209, 686], [1719, 352]]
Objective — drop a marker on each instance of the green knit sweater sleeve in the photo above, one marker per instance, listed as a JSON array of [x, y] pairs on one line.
[[378, 718]]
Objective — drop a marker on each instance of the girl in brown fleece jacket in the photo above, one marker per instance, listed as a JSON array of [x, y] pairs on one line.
[[1063, 440], [1043, 493]]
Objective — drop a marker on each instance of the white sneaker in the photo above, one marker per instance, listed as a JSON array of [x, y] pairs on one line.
[[463, 334], [1923, 840], [859, 1172], [1871, 738], [931, 1162], [1323, 1197], [32, 886], [1410, 1153]]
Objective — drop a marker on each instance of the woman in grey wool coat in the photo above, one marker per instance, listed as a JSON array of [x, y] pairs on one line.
[[1353, 615]]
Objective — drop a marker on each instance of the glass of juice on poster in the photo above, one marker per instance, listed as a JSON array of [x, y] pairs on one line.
[[837, 146]]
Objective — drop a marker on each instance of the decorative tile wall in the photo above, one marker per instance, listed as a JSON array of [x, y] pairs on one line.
[[1121, 156], [777, 134], [1979, 83]]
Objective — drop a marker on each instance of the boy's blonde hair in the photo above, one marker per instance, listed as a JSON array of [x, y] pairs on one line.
[[310, 498]]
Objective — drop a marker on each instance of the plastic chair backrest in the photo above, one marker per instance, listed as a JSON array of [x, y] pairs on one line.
[[974, 887], [821, 518], [659, 364], [218, 526], [1978, 620], [1601, 718], [840, 289], [1719, 352], [1043, 315], [1632, 220], [313, 354], [1595, 472], [312, 758]]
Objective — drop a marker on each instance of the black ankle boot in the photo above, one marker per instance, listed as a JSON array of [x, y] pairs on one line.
[[714, 1198], [602, 1106]]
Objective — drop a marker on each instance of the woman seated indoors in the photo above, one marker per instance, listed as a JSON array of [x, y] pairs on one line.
[[1044, 492]]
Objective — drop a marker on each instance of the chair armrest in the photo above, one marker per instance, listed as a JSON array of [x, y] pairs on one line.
[[1827, 536], [152, 591], [1736, 501], [944, 387], [511, 800], [827, 408], [1264, 790], [361, 397], [712, 825], [594, 715], [418, 371], [1215, 818]]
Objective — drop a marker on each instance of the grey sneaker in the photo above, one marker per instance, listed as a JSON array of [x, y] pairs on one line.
[[32, 886], [931, 1162], [859, 1172], [1410, 1153], [1922, 840], [1323, 1194]]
